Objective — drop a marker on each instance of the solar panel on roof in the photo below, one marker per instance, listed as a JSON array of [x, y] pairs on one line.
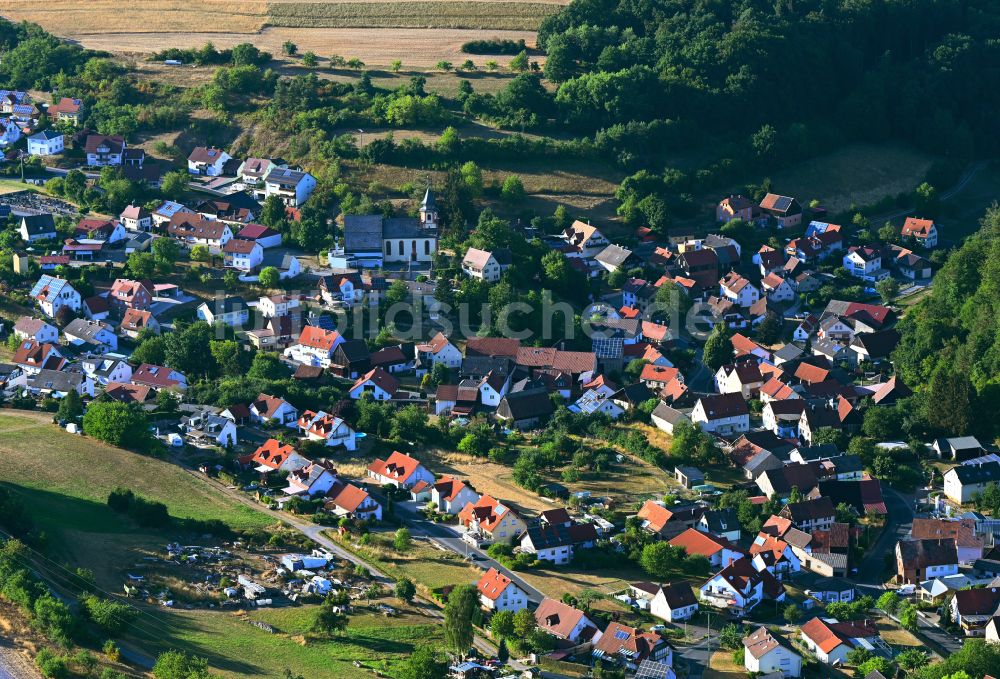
[[782, 203], [621, 635]]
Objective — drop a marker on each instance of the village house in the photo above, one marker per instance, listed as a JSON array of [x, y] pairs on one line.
[[376, 383], [968, 544], [278, 305], [330, 429], [526, 409], [736, 207], [345, 499], [497, 592], [167, 210], [565, 622], [351, 359], [136, 218], [766, 652], [253, 170], [964, 482], [292, 187], [740, 587], [740, 378], [584, 240], [205, 427], [483, 265], [32, 357], [266, 408], [810, 515], [782, 417], [450, 495], [399, 470], [924, 559], [52, 294], [65, 110], [58, 383], [830, 641], [974, 609], [104, 150], [264, 236], [557, 542], [46, 143], [674, 602], [315, 346], [103, 370], [242, 255], [439, 350], [723, 523], [129, 294], [489, 520], [719, 551], [159, 377], [310, 481], [865, 262], [103, 230], [93, 336], [273, 456], [629, 647], [231, 311], [668, 521], [924, 231], [723, 414], [35, 329], [783, 211], [192, 229], [135, 321], [738, 290], [207, 161], [37, 227]]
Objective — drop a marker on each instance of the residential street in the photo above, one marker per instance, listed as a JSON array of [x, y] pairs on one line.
[[450, 538], [898, 525]]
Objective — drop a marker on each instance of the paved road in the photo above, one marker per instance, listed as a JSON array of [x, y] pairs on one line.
[[451, 539], [13, 665], [897, 526]]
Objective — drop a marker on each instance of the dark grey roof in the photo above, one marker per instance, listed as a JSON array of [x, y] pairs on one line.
[[480, 366], [789, 352], [668, 414], [363, 233], [403, 227], [428, 203], [356, 351], [279, 260], [613, 255], [633, 393], [36, 224], [285, 177], [55, 380], [524, 405], [977, 473], [227, 305], [85, 330], [721, 520]]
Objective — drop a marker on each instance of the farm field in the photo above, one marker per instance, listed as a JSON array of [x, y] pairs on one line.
[[418, 32], [235, 648]]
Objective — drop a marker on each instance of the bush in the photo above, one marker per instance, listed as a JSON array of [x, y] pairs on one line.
[[494, 46], [51, 665]]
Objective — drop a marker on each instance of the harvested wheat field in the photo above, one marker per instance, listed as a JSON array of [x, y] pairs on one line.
[[419, 48], [500, 15], [75, 18]]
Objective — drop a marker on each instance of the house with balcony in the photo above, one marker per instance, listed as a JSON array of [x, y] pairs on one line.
[[497, 592], [628, 647], [104, 150], [925, 559], [329, 429], [489, 520], [207, 161], [399, 470], [52, 294], [315, 346], [483, 265], [865, 262], [231, 311], [293, 187], [924, 231], [739, 587], [830, 640], [973, 609], [242, 255], [266, 408], [723, 414]]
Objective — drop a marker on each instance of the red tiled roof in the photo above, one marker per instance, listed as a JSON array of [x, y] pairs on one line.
[[398, 466], [492, 584]]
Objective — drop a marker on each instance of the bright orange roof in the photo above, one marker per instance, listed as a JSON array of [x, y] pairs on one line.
[[695, 542], [492, 584]]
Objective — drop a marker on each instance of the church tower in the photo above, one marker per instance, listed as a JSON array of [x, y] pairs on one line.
[[429, 211]]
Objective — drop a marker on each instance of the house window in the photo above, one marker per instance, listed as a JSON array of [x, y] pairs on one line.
[[400, 248], [388, 248], [427, 247]]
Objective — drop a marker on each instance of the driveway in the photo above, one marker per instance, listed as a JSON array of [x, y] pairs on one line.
[[451, 539]]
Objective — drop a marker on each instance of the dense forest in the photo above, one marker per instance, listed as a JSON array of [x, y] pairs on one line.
[[950, 345], [926, 71]]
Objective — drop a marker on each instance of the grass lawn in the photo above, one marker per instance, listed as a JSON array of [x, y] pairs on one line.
[[235, 648], [15, 185], [721, 666], [65, 480], [424, 563]]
